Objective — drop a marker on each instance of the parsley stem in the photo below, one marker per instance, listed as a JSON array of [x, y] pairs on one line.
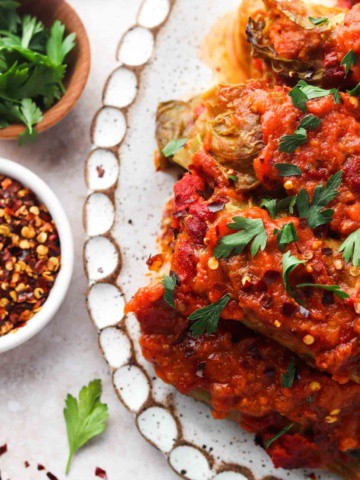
[[71, 454]]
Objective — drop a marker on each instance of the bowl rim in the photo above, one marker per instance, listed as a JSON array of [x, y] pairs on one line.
[[75, 89], [63, 279]]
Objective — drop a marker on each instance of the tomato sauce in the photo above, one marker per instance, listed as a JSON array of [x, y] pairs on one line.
[[240, 370]]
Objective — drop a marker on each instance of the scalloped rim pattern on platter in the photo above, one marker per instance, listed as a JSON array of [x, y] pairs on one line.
[[158, 423]]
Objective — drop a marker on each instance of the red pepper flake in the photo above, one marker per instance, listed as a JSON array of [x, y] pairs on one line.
[[51, 476], [3, 449], [40, 467], [30, 254], [99, 472], [27, 464], [100, 171]]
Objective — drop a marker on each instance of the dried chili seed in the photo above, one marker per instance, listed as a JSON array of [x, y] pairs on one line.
[[29, 254], [99, 472]]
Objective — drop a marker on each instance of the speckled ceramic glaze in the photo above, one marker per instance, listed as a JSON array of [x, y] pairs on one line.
[[157, 59]]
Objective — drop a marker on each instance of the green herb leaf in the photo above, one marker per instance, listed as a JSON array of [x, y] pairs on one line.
[[278, 435], [351, 248], [173, 146], [274, 207], [289, 143], [169, 283], [336, 94], [289, 263], [287, 235], [287, 379], [30, 27], [302, 93], [270, 205], [330, 288], [287, 170], [310, 122], [315, 214], [318, 21], [252, 230], [349, 60], [286, 203], [57, 47], [299, 98], [206, 319], [233, 178], [85, 418], [309, 399], [355, 92]]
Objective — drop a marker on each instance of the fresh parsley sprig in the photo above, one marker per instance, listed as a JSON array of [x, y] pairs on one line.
[[349, 61], [286, 235], [173, 146], [351, 248], [303, 92], [169, 284], [289, 263], [355, 92], [287, 170], [330, 288], [287, 379], [282, 432], [315, 213], [318, 20], [85, 418], [289, 143], [274, 207], [206, 319], [251, 231]]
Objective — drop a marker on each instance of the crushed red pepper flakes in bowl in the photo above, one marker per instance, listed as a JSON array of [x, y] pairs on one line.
[[29, 254]]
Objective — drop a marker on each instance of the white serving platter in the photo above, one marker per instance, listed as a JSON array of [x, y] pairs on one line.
[[158, 59]]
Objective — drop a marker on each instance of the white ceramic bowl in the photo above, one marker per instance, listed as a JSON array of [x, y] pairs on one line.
[[62, 282]]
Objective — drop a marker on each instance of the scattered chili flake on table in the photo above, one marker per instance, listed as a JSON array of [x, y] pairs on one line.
[[3, 449], [29, 254], [99, 472]]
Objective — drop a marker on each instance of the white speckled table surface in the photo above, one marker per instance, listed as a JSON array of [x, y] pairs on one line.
[[36, 377]]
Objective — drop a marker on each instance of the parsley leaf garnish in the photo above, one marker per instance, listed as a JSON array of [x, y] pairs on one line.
[[336, 94], [302, 93], [173, 146], [206, 319], [233, 178], [349, 60], [351, 248], [355, 92], [270, 205], [310, 122], [330, 288], [315, 214], [85, 418], [287, 170], [252, 230], [286, 235], [169, 284], [318, 21], [289, 143], [289, 263], [287, 379], [274, 206], [282, 432]]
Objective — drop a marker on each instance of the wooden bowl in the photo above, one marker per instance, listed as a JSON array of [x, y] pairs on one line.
[[79, 60]]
